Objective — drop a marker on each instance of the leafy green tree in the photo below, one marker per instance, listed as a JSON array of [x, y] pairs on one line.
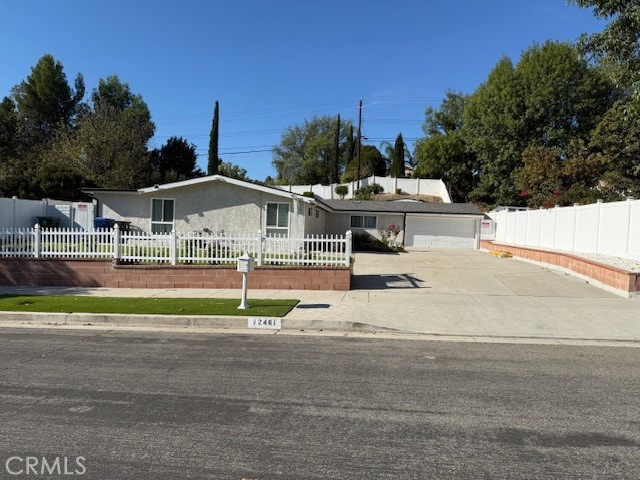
[[616, 46], [372, 163], [231, 170], [108, 147], [306, 151], [443, 152], [539, 179], [214, 160], [8, 147], [615, 149], [492, 126], [174, 161], [551, 98]]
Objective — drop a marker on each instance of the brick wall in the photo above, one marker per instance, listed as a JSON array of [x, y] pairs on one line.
[[608, 275], [102, 273]]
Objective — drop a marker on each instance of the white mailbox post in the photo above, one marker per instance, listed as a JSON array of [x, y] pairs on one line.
[[245, 265]]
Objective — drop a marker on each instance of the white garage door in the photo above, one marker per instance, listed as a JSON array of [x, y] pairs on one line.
[[440, 232]]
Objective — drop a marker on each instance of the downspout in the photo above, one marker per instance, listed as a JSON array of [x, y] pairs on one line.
[[404, 229]]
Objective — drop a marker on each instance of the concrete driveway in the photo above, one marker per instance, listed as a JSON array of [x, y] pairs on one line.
[[471, 293]]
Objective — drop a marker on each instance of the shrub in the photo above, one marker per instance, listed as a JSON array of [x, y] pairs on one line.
[[307, 194], [341, 190], [398, 191], [367, 193]]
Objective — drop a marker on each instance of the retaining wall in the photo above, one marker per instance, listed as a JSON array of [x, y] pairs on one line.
[[103, 273], [617, 278]]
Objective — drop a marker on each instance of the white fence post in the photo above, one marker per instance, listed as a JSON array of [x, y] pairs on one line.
[[116, 242], [347, 260], [36, 243], [575, 226], [599, 203], [629, 200], [173, 250], [260, 248]]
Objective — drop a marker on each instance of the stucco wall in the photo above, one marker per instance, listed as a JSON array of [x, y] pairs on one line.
[[314, 222], [339, 223], [214, 206]]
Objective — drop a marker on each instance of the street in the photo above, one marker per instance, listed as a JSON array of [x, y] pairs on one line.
[[161, 405]]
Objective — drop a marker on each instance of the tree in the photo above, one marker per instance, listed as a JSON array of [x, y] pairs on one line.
[[214, 160], [108, 147], [443, 152], [398, 155], [45, 102], [539, 179], [40, 109], [372, 163], [228, 169], [617, 45], [551, 98], [492, 126], [334, 174], [8, 147], [615, 150], [349, 147], [174, 161], [306, 151]]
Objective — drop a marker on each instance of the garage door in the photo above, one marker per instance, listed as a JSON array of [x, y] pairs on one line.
[[440, 232]]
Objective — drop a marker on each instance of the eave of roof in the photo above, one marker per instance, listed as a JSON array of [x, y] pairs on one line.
[[207, 179], [401, 207]]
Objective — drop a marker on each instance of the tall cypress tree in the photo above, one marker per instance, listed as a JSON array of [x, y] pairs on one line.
[[334, 173], [214, 159], [397, 166]]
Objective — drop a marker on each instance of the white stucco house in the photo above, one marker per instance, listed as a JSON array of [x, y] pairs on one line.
[[220, 204]]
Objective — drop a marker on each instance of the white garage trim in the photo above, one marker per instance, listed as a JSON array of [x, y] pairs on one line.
[[453, 231]]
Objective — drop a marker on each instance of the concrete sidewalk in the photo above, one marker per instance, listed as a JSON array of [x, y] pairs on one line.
[[443, 292]]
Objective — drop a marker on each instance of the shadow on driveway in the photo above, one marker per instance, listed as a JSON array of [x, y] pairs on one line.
[[385, 282]]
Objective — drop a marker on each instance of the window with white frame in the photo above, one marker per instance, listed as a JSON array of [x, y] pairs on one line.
[[162, 215], [364, 221], [277, 219]]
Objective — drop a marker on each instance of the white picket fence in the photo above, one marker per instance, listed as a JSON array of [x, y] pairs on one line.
[[175, 248], [604, 228]]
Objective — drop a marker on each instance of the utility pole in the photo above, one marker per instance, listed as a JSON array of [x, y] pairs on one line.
[[359, 140]]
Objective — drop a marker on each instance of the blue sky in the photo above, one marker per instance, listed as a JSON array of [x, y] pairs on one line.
[[271, 64]]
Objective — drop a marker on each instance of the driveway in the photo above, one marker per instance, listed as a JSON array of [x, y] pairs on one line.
[[471, 293]]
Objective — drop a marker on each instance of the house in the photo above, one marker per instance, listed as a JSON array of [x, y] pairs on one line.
[[422, 224], [221, 204], [211, 204]]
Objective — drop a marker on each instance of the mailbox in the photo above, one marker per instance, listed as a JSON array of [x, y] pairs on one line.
[[245, 263]]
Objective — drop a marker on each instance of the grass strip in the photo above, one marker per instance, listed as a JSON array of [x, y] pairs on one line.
[[144, 306]]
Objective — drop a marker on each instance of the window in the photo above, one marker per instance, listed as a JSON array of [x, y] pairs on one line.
[[161, 215], [317, 213], [364, 221], [277, 219], [310, 211]]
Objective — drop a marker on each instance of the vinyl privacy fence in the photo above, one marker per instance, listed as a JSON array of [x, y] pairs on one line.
[[174, 248], [604, 228]]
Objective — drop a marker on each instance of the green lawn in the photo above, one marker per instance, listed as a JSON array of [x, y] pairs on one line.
[[144, 306]]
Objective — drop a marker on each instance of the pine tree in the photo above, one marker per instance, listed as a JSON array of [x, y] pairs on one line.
[[214, 159]]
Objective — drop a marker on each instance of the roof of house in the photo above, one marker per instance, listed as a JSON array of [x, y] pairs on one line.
[[401, 207], [200, 180]]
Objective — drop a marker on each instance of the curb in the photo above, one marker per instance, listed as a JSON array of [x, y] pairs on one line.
[[201, 321], [289, 326]]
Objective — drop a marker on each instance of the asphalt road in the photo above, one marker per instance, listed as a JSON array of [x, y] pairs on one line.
[[179, 406]]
